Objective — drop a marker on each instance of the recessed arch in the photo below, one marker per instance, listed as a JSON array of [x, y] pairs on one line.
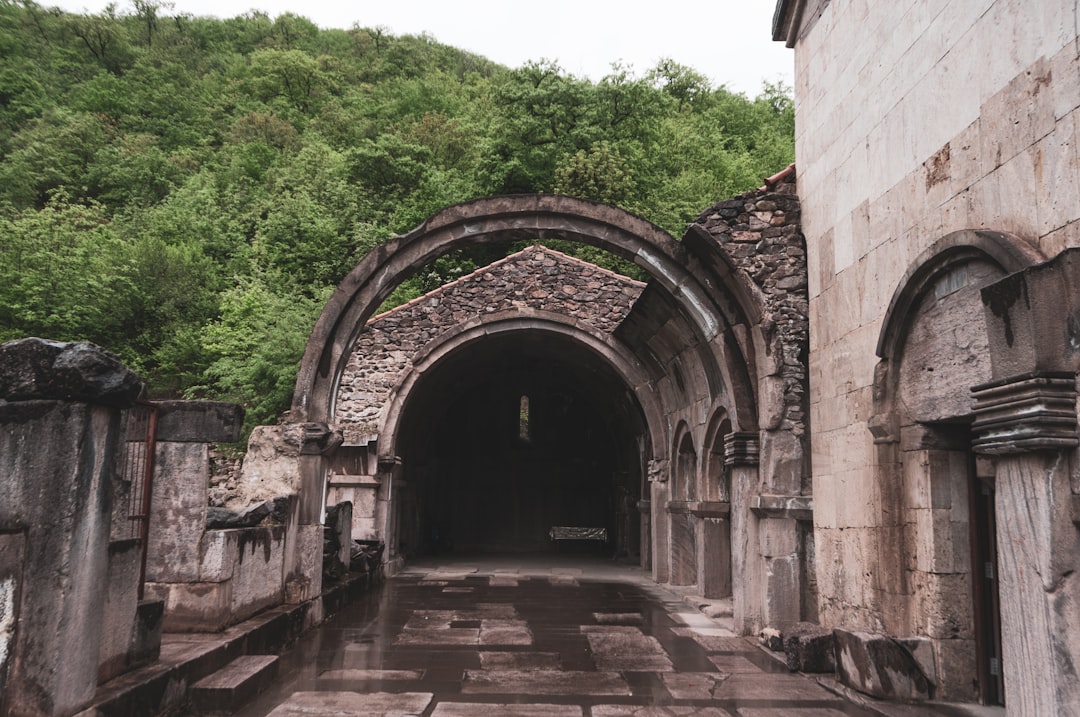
[[1009, 252], [715, 483], [603, 346], [934, 346]]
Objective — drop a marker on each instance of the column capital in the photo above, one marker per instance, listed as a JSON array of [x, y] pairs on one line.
[[741, 449], [1026, 413]]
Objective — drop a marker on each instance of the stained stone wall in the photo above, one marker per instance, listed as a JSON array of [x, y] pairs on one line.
[[928, 134], [914, 122], [537, 279]]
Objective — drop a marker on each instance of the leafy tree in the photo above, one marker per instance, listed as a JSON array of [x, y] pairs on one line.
[[256, 345], [186, 191]]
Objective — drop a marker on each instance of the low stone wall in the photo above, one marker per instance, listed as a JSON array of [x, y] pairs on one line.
[[239, 573]]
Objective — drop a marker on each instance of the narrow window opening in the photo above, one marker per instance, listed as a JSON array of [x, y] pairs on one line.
[[524, 431]]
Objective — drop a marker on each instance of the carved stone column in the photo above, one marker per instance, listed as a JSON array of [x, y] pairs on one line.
[[1029, 425], [388, 509], [741, 453], [645, 509]]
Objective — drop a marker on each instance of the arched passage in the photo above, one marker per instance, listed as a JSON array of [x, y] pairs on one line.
[[503, 417], [511, 435], [688, 344]]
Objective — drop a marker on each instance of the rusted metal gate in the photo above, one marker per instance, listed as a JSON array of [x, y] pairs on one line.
[[137, 471]]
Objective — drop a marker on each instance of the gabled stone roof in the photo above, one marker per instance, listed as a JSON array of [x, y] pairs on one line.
[[536, 279]]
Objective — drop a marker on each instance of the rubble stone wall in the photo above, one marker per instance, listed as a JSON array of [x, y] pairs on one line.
[[536, 278], [760, 231]]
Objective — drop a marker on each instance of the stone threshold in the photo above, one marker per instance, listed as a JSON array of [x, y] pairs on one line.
[[187, 658]]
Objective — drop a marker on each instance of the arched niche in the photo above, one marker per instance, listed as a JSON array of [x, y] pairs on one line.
[[935, 498]]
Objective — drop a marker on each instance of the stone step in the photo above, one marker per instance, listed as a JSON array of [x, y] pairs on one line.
[[231, 687]]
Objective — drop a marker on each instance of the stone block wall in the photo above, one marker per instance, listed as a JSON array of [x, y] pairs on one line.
[[208, 579], [59, 431], [760, 233], [915, 119]]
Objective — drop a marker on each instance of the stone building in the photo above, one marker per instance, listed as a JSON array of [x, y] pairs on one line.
[[940, 186], [542, 394]]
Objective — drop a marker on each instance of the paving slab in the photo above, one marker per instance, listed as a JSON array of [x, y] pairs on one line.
[[481, 709], [349, 704], [496, 660], [544, 682], [562, 642]]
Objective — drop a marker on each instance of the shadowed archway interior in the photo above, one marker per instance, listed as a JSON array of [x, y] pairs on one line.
[[511, 436]]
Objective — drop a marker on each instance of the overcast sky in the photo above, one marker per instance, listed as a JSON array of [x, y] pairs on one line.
[[726, 40]]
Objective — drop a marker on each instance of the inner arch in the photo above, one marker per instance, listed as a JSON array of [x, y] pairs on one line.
[[472, 483]]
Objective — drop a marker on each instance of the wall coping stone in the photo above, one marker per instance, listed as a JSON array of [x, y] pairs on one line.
[[40, 369]]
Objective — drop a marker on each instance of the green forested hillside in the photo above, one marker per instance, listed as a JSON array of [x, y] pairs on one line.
[[186, 192]]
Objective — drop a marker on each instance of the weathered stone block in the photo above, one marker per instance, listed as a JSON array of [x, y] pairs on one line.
[[809, 648], [56, 459], [879, 666], [199, 421], [121, 602], [146, 635], [177, 511], [34, 369], [778, 537], [193, 607]]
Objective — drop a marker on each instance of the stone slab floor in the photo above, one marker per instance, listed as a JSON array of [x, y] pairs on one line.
[[536, 640]]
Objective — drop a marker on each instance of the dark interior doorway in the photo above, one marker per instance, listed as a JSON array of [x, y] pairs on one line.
[[515, 435], [985, 585]]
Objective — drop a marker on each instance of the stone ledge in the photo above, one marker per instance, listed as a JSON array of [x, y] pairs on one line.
[[352, 480], [711, 509], [795, 507]]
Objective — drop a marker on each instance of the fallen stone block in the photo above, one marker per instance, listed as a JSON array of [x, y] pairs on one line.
[[879, 666], [809, 648]]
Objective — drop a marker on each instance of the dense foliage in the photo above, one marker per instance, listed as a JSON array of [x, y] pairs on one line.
[[187, 191]]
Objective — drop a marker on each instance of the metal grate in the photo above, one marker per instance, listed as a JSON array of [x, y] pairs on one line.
[[137, 471]]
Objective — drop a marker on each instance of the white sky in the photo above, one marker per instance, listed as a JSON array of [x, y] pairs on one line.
[[729, 41]]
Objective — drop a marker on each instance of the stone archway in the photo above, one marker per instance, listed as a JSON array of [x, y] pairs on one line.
[[711, 309], [702, 334]]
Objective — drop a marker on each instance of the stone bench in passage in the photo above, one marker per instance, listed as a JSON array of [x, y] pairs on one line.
[[565, 532]]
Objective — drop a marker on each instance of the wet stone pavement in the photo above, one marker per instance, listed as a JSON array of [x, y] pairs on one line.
[[563, 642]]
